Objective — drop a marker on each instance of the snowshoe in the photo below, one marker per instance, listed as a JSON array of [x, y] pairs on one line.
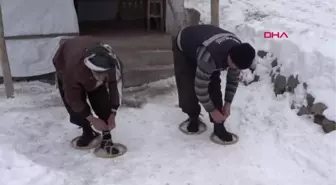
[[85, 142], [193, 126], [108, 149], [214, 138]]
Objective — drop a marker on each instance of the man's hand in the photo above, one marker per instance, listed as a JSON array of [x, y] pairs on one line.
[[226, 110], [217, 116], [111, 122], [98, 123]]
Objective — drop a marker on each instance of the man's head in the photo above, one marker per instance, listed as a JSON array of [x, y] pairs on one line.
[[100, 59], [241, 56]]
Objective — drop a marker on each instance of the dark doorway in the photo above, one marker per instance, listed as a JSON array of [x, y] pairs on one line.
[[105, 17]]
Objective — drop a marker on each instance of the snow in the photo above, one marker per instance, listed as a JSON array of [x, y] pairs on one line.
[[14, 163], [309, 50], [32, 57], [276, 146]]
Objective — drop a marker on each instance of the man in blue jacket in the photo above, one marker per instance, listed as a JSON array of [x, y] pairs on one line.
[[201, 52]]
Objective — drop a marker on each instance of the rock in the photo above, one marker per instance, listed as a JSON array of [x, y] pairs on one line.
[[278, 69], [292, 83], [318, 108], [280, 84], [303, 111], [193, 16], [262, 53], [274, 62], [310, 99], [328, 125], [318, 119]]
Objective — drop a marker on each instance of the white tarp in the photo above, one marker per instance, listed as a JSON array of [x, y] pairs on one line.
[[22, 17]]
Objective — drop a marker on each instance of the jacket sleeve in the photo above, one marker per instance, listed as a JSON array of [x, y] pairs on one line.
[[115, 86], [74, 96], [205, 67], [232, 81]]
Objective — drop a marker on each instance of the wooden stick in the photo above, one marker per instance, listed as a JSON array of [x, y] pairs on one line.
[[215, 12], [6, 71]]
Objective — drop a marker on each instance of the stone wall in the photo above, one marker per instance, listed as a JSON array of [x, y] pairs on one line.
[[289, 84]]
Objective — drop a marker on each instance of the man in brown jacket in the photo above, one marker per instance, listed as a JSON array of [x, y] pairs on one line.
[[88, 68]]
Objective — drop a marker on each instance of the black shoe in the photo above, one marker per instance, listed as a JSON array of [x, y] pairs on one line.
[[193, 125], [222, 133], [86, 138], [108, 145]]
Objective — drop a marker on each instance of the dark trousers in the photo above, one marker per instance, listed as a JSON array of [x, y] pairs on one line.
[[99, 101], [185, 72]]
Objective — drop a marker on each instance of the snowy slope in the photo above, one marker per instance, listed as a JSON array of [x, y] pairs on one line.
[[33, 57], [276, 146], [310, 49]]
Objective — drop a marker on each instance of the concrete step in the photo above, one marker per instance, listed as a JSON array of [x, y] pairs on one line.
[[144, 66], [145, 58], [143, 42], [138, 77]]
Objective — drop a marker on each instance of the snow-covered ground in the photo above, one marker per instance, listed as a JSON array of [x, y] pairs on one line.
[[276, 146], [309, 50]]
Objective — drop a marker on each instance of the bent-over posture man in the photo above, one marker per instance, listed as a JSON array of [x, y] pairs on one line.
[[88, 68], [201, 52]]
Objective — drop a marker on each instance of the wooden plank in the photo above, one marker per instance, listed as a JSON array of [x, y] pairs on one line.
[[215, 12], [6, 71]]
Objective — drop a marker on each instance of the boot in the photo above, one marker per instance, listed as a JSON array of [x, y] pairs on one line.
[[86, 138], [193, 125], [221, 132], [107, 144]]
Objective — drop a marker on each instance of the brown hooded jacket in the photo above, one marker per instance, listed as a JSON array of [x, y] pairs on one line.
[[78, 79]]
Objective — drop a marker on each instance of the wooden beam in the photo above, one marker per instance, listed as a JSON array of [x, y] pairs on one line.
[[215, 12], [6, 71]]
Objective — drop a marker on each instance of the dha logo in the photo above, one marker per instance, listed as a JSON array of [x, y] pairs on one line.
[[268, 35]]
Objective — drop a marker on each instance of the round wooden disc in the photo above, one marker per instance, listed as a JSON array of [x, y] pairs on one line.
[[94, 143], [183, 128], [102, 153], [216, 140]]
